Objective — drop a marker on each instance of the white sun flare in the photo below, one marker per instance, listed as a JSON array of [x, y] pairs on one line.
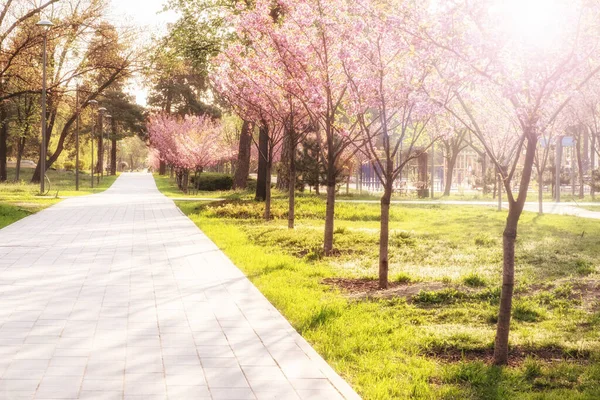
[[536, 23]]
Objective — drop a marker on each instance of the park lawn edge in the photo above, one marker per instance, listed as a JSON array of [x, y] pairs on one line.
[[18, 202]]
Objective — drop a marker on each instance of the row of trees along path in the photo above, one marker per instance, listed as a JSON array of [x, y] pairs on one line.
[[83, 52], [381, 81]]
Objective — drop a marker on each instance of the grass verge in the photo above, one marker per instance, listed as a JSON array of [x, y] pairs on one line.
[[20, 199]]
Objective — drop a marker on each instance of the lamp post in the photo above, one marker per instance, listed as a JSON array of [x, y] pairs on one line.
[[101, 110], [46, 25], [93, 103]]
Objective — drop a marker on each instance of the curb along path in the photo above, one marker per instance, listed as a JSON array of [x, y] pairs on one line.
[[120, 296]]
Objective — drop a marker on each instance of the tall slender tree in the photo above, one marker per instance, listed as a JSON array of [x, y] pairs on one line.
[[531, 78]]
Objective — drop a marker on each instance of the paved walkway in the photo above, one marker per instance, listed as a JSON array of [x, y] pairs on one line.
[[120, 296]]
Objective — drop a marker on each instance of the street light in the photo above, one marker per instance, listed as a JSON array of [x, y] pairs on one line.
[[101, 110], [46, 25], [93, 103]]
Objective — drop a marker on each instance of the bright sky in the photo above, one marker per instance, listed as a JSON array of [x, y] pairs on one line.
[[146, 14]]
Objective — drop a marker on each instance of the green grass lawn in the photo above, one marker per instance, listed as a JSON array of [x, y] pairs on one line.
[[20, 199], [431, 335]]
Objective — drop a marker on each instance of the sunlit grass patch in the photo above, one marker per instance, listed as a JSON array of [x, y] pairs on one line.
[[430, 336]]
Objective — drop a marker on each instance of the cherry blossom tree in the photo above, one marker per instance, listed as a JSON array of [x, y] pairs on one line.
[[190, 143], [254, 81], [584, 113], [250, 93], [306, 37], [529, 72], [387, 71]]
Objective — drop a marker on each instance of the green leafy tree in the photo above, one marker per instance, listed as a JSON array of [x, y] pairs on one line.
[[128, 119]]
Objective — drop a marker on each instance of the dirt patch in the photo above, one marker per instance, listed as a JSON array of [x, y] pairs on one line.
[[368, 288], [516, 356], [589, 292], [27, 205], [586, 293]]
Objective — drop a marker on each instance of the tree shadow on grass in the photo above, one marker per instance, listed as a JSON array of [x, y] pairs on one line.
[[321, 316]]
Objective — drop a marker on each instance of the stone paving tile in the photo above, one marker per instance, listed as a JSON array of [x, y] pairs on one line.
[[120, 296]]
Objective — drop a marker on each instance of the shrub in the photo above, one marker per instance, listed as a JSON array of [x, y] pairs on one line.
[[474, 280], [527, 311], [69, 166], [211, 182], [340, 230], [491, 295], [531, 369], [403, 278], [584, 267], [251, 185], [483, 240], [438, 297]]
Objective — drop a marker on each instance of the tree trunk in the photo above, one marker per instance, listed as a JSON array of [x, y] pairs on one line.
[[263, 148], [113, 149], [573, 171], [540, 192], [20, 149], [268, 190], [384, 236], [593, 164], [449, 173], [113, 157], [37, 173], [329, 212], [240, 181], [100, 155], [3, 142], [318, 169], [499, 184], [508, 271], [348, 184], [508, 283], [292, 187], [432, 189], [557, 169], [484, 173], [580, 167], [186, 180], [162, 168], [283, 182], [360, 179]]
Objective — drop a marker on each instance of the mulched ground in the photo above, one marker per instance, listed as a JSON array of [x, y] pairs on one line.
[[368, 288], [517, 355], [364, 288]]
